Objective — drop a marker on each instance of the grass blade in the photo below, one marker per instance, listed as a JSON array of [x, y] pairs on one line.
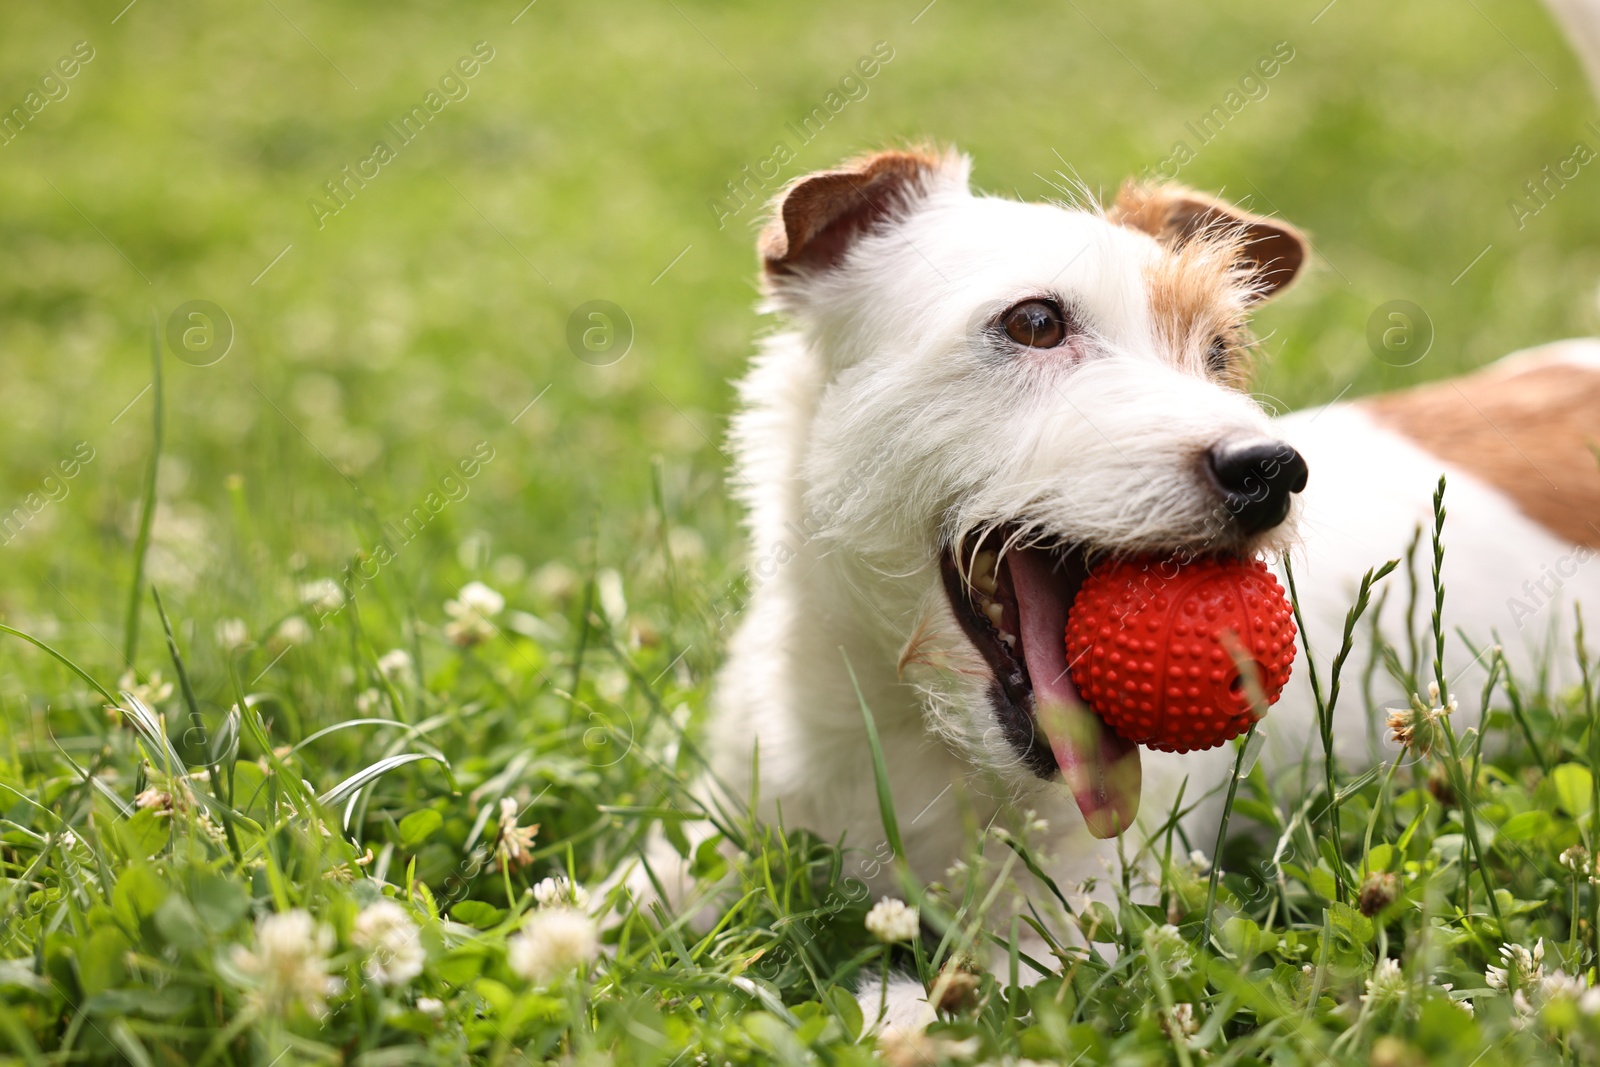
[[198, 722], [1467, 791], [149, 726], [147, 510], [370, 773], [1222, 837], [880, 774]]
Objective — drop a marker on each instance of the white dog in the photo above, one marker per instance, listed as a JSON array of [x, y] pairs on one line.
[[975, 398]]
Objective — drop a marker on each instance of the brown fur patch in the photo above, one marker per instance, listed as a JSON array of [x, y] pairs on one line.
[[1220, 261], [1269, 253], [1198, 302], [815, 220], [1526, 428]]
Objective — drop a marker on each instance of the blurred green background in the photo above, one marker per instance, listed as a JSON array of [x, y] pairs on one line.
[[374, 352]]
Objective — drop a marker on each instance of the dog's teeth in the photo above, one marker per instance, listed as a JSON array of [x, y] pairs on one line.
[[995, 611], [986, 583], [1009, 639], [983, 565]]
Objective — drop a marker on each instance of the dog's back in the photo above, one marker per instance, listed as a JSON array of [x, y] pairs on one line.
[[1515, 442]]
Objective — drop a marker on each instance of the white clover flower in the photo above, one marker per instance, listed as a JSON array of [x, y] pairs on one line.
[[322, 595], [289, 964], [396, 665], [1199, 861], [393, 942], [1534, 988], [561, 891], [369, 701], [469, 631], [555, 581], [553, 942], [892, 920], [158, 799], [479, 598], [1525, 967], [1388, 983], [1577, 860], [1421, 726], [1559, 985], [1183, 1022], [470, 613], [294, 631], [430, 1006], [514, 846], [232, 634]]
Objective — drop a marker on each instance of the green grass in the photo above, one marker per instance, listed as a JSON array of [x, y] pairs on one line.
[[407, 337]]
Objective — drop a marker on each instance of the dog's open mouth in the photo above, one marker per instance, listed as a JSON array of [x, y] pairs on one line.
[[1013, 605]]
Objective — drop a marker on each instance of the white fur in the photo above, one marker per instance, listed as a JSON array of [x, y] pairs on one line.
[[1369, 489], [886, 412], [885, 422]]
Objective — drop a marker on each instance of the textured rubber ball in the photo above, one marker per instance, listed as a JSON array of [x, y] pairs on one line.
[[1155, 648]]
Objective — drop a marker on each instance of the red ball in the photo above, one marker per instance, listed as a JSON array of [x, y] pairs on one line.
[[1153, 647]]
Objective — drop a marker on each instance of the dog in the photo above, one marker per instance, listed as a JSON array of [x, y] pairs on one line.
[[973, 399]]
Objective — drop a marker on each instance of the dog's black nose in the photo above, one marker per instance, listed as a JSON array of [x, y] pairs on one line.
[[1256, 477]]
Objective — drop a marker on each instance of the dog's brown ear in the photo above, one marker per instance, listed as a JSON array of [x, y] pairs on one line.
[[1272, 252], [817, 218]]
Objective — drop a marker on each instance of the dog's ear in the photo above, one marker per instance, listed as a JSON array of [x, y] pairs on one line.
[[817, 218], [1272, 252]]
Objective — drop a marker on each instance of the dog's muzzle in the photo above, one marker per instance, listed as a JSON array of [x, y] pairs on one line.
[[1256, 477]]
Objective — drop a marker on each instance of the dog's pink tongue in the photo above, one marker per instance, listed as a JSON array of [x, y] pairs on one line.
[[1100, 768]]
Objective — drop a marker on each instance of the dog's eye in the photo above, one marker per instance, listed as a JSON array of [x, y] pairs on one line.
[[1217, 361], [1035, 323]]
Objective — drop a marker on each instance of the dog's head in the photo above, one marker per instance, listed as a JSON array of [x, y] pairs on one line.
[[1013, 390]]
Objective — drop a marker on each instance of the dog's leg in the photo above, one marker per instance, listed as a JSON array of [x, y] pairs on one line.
[[903, 1006]]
